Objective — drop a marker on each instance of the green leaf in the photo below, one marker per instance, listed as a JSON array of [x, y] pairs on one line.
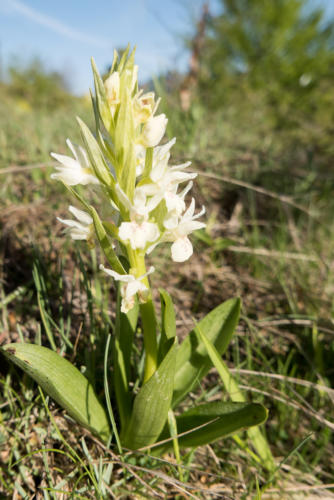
[[258, 440], [151, 405], [209, 422], [123, 59], [192, 360], [77, 196], [101, 98], [105, 242], [148, 162], [97, 161], [63, 382], [168, 326], [125, 328]]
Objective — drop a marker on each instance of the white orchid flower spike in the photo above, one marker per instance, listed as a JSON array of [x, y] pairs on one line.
[[75, 170], [130, 287]]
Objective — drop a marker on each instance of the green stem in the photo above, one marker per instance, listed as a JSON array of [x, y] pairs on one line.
[[137, 261]]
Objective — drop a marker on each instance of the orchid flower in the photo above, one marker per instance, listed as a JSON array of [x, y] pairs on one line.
[[164, 185], [143, 106], [130, 287], [80, 229], [75, 170], [138, 232], [161, 154], [178, 232]]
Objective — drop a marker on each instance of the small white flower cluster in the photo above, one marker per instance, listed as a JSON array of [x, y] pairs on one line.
[[157, 211]]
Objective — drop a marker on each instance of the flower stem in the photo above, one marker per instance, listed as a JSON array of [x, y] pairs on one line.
[[149, 325]]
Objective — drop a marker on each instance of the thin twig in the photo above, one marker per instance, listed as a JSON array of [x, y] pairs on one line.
[[291, 403], [272, 253], [258, 189], [296, 322], [300, 488], [17, 168], [292, 380]]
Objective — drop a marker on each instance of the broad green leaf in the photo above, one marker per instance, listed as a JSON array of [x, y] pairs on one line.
[[192, 360], [105, 242], [101, 98], [258, 440], [151, 405], [97, 161], [209, 422], [63, 382], [168, 327]]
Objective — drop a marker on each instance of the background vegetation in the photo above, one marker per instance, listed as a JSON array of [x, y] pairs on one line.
[[255, 114]]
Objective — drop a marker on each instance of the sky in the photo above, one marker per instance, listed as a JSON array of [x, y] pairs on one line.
[[66, 34]]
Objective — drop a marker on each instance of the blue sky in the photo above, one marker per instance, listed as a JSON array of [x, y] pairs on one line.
[[65, 34]]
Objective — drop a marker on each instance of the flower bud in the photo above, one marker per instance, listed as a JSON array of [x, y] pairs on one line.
[[143, 106], [154, 130], [111, 85]]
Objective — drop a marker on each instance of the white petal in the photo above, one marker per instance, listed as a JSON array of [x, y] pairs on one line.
[[67, 161], [159, 171], [76, 230], [72, 148], [77, 234], [182, 166], [74, 177], [126, 230], [127, 278], [178, 177], [151, 231], [190, 210], [181, 249], [134, 287], [138, 234], [191, 226], [71, 223], [127, 305], [202, 212], [139, 198], [171, 222], [174, 203], [81, 215]]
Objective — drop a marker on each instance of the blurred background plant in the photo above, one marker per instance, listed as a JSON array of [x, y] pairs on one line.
[[254, 111]]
